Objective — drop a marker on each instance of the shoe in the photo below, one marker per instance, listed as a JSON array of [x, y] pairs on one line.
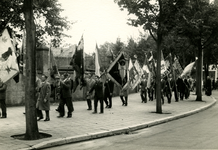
[[89, 109], [57, 110], [60, 116], [39, 118], [47, 119], [3, 117], [94, 112], [123, 104], [101, 113], [69, 116], [107, 106]]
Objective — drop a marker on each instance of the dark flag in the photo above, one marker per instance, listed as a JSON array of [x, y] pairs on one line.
[[77, 62], [117, 71]]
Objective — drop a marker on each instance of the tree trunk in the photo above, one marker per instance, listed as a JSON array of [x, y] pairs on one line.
[[158, 78], [199, 72], [32, 132]]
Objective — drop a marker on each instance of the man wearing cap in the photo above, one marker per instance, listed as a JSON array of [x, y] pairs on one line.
[[98, 87], [65, 96]]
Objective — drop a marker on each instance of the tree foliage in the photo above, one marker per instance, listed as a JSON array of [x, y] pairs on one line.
[[48, 20]]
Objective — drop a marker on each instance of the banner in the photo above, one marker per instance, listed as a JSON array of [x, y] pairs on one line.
[[187, 70], [97, 66], [177, 67], [117, 71], [137, 76], [8, 60]]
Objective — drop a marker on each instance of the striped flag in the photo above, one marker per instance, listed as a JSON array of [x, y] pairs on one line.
[[8, 60], [97, 64]]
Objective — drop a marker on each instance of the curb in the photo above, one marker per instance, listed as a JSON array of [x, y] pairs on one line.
[[125, 130]]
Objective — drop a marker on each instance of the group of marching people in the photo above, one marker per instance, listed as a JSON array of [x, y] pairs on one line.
[[181, 89]]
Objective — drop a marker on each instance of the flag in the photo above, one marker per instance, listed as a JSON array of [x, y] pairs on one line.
[[163, 65], [177, 67], [167, 69], [151, 64], [137, 76], [77, 62], [131, 73], [146, 67], [8, 60], [97, 65], [53, 65], [117, 71], [187, 70]]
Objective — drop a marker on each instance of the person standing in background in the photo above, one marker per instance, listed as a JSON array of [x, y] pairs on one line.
[[44, 98]]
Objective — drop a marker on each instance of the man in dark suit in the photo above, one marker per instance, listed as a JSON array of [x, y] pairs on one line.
[[181, 87], [98, 87], [174, 89], [108, 92], [65, 96], [163, 86], [168, 90], [143, 86]]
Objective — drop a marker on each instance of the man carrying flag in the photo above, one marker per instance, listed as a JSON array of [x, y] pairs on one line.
[[77, 62]]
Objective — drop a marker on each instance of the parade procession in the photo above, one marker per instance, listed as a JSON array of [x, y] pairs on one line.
[[126, 75], [73, 71]]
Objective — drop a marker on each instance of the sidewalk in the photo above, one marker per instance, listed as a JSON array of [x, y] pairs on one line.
[[85, 126]]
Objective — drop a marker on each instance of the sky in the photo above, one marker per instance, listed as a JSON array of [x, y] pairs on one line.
[[99, 21]]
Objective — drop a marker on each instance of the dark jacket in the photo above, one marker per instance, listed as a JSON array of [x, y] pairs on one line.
[[109, 87], [98, 87], [3, 91], [65, 89], [143, 85]]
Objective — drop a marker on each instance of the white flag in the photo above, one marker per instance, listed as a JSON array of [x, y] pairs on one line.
[[8, 60], [97, 66]]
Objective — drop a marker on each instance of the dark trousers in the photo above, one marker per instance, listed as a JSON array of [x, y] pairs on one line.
[[176, 96], [69, 103], [108, 103], [125, 102], [144, 96], [169, 96], [151, 94], [182, 94], [96, 104], [89, 103], [3, 107], [39, 113]]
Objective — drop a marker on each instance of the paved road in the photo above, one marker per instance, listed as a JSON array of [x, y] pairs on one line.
[[199, 131]]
